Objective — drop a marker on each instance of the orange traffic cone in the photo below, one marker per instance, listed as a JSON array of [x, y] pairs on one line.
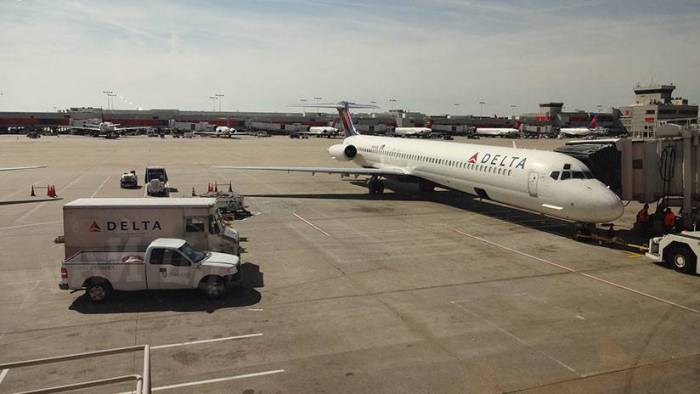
[[32, 194], [53, 191], [48, 190], [230, 190], [193, 192]]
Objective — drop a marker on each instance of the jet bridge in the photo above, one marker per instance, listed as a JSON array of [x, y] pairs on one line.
[[663, 170]]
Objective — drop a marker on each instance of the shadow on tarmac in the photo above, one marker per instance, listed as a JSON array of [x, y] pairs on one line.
[[474, 204], [190, 300]]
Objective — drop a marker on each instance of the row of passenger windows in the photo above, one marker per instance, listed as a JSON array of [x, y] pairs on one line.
[[571, 175], [445, 162]]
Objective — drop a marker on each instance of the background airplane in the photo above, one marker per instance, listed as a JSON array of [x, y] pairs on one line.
[[510, 132], [419, 132], [547, 182], [105, 129], [322, 131], [592, 129]]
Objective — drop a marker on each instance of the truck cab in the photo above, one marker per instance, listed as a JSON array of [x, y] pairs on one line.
[[167, 263], [156, 179]]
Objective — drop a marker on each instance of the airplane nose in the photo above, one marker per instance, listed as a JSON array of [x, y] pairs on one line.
[[608, 206]]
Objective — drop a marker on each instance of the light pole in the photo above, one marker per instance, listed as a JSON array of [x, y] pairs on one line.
[[456, 105], [111, 95], [219, 95], [512, 108], [107, 92], [213, 102], [600, 108], [482, 103], [393, 101], [318, 100]]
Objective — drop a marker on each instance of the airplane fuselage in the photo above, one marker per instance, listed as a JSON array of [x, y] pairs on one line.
[[497, 132], [543, 181]]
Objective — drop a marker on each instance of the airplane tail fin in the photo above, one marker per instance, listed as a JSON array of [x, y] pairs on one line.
[[343, 108], [516, 125], [429, 123], [594, 123]]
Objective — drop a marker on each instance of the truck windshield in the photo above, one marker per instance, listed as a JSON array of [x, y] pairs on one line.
[[193, 254]]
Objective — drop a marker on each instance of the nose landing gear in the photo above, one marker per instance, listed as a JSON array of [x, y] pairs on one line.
[[376, 186]]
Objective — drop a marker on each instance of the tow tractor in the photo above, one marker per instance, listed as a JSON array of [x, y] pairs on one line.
[[679, 251]]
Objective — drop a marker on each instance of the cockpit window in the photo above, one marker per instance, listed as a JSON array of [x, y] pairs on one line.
[[554, 175], [578, 175], [565, 175]]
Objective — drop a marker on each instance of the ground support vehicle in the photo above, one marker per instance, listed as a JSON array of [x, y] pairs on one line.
[[167, 263], [679, 251]]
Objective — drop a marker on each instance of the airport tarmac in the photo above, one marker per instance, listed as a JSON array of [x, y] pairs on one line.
[[400, 293]]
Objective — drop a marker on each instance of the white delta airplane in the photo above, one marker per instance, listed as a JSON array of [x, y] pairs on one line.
[[547, 182], [105, 129], [418, 132], [503, 132], [575, 132], [323, 131]]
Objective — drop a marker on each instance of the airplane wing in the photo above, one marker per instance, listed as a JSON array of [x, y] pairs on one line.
[[20, 168], [131, 128], [325, 170], [92, 128]]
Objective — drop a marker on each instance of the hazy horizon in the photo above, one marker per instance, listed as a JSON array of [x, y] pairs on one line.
[[265, 56]]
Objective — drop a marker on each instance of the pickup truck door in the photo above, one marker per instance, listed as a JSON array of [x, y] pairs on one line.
[[169, 269]]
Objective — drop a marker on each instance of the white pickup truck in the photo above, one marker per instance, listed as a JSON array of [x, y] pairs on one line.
[[168, 263], [680, 251]]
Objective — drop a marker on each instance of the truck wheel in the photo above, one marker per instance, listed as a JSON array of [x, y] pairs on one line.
[[98, 291], [682, 260], [213, 287]]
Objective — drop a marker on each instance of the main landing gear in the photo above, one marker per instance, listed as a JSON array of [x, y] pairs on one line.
[[376, 186]]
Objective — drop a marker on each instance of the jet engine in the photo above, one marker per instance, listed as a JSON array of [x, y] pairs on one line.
[[342, 152]]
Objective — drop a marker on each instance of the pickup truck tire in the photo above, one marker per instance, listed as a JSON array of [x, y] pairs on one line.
[[682, 259], [98, 290], [212, 286]]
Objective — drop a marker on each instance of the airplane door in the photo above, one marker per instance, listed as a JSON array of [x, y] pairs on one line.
[[532, 184]]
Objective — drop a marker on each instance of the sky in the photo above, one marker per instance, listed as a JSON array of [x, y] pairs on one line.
[[432, 56]]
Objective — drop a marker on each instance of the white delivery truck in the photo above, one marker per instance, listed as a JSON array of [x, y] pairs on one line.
[[680, 251], [130, 224], [167, 263]]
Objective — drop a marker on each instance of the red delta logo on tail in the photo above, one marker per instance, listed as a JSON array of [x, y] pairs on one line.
[[95, 228], [594, 123], [473, 158]]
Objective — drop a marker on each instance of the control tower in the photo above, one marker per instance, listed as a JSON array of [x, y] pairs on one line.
[[654, 105]]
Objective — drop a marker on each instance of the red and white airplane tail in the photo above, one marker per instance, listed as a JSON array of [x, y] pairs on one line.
[[594, 123]]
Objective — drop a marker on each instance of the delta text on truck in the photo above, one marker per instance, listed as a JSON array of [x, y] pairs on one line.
[[167, 263], [131, 224]]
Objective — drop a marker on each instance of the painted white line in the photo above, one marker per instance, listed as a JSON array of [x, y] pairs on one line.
[[218, 380], [100, 187], [30, 225], [510, 334], [589, 276], [209, 381], [311, 224], [3, 374], [259, 334], [36, 208], [255, 309]]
